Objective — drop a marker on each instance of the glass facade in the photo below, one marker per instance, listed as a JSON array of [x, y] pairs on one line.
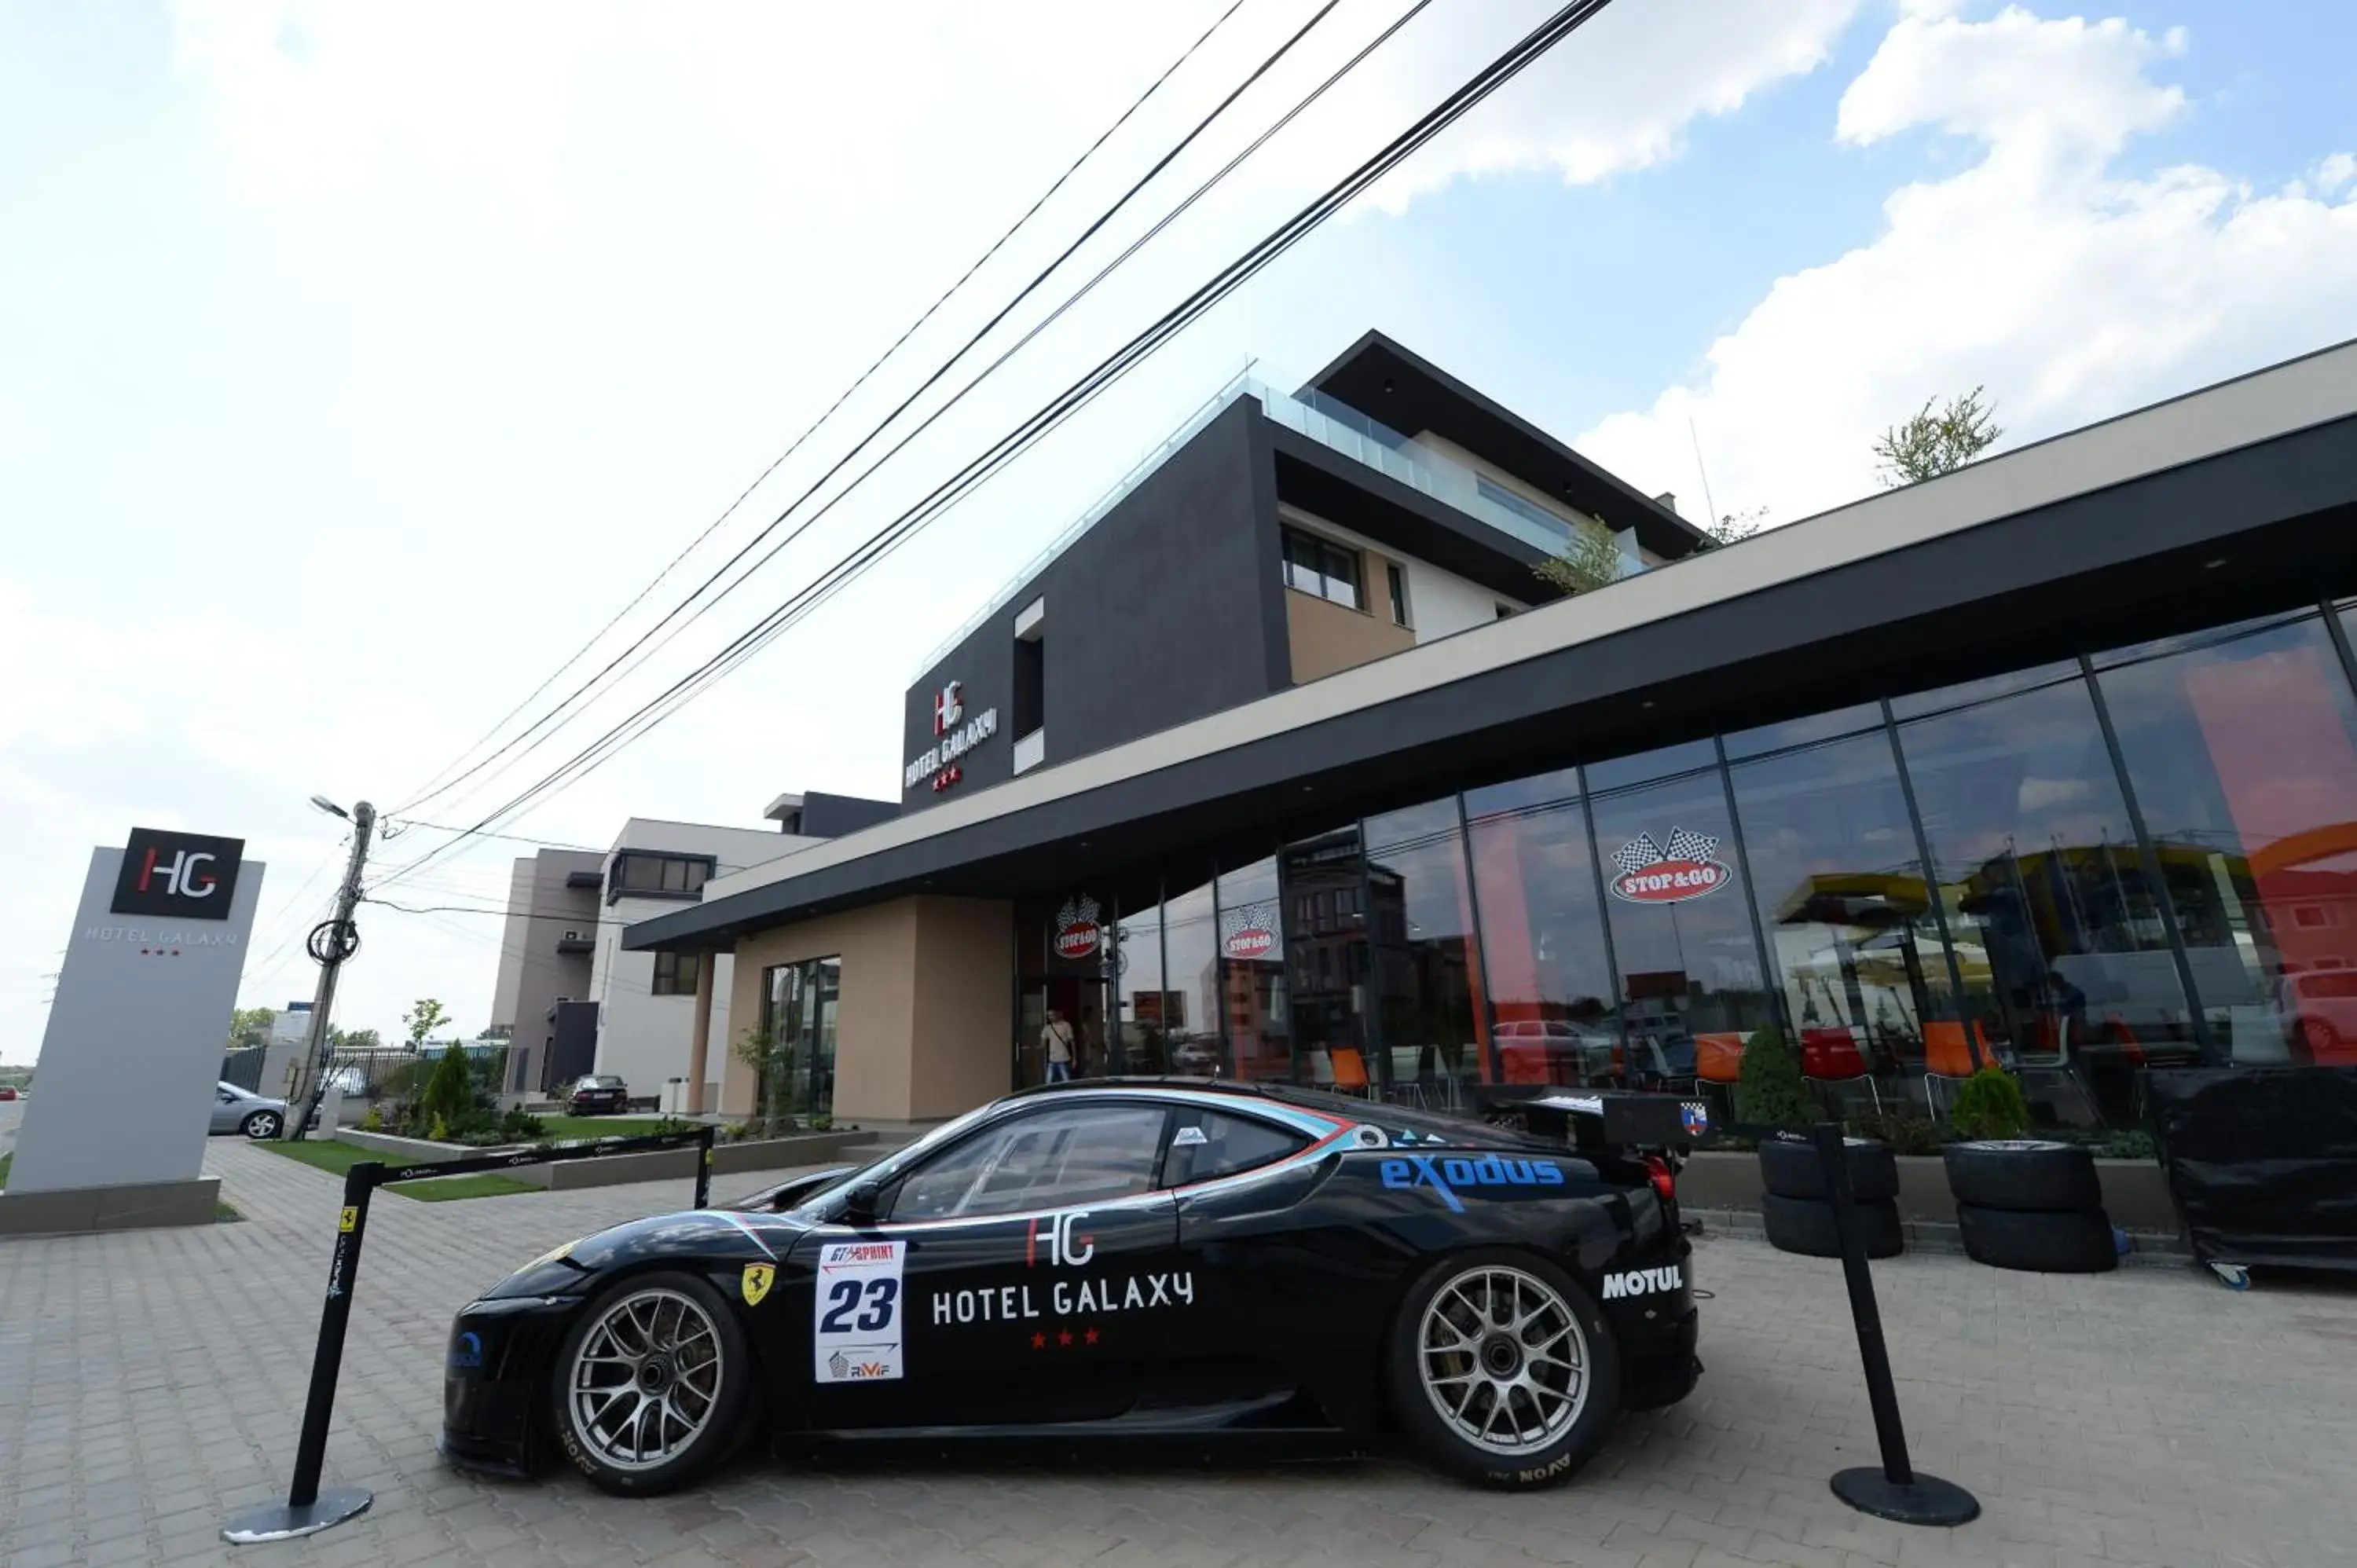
[[2139, 859], [799, 1001]]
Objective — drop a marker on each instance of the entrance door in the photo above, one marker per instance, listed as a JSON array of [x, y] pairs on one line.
[[1081, 1005]]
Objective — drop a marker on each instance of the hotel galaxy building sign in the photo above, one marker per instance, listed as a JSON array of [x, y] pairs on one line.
[[956, 734]]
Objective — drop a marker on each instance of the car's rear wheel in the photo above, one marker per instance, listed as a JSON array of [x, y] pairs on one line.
[[261, 1125], [651, 1385], [1502, 1370]]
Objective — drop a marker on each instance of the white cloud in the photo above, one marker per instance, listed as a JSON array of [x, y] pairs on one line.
[[2070, 292]]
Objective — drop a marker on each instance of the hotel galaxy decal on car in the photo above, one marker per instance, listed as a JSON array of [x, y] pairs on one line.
[[1057, 1242], [856, 1319], [1648, 873]]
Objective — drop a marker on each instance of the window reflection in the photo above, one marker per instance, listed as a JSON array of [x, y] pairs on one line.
[[2242, 749], [1326, 960], [1426, 969], [1555, 1011], [1253, 1000], [1682, 934], [2064, 957], [1140, 1000], [1842, 901], [1190, 1002]]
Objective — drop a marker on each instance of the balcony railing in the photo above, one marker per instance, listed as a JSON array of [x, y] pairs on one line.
[[1334, 425]]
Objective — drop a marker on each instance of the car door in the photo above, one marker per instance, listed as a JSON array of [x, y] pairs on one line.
[[1022, 1277]]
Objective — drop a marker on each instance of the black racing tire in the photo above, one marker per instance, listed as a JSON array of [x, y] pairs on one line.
[[2078, 1242], [262, 1124], [1790, 1168], [1552, 1453], [721, 1429], [1806, 1225], [2027, 1176]]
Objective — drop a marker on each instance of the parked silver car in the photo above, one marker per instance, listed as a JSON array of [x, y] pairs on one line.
[[239, 1109]]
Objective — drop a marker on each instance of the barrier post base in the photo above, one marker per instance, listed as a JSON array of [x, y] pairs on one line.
[[284, 1521], [1927, 1499]]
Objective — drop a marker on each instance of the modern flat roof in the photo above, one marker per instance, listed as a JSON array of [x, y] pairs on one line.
[[2235, 498]]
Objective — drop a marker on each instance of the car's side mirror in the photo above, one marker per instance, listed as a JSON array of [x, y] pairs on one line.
[[859, 1204]]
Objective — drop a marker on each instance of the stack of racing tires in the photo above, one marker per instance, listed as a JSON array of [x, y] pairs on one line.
[[2024, 1203], [1800, 1215]]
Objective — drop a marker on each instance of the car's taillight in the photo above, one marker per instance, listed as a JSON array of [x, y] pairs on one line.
[[1664, 1180]]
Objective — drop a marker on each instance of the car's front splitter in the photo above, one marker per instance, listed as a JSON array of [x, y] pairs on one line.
[[494, 1378]]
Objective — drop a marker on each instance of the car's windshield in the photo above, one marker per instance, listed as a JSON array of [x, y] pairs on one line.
[[888, 1165]]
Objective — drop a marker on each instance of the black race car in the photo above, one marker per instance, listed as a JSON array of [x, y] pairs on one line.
[[1121, 1257]]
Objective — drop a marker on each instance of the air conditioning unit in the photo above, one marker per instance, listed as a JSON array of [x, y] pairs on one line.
[[573, 936]]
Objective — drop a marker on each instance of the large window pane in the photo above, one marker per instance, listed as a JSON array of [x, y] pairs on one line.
[[1841, 897], [1681, 928], [1190, 1004], [1551, 997], [1252, 973], [2241, 750], [2066, 965], [1425, 966], [1326, 954], [1137, 984]]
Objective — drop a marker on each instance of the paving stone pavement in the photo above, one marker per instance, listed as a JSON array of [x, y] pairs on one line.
[[151, 1384]]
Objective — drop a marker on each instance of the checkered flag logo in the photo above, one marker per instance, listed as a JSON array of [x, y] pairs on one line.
[[1637, 854], [1685, 845], [1261, 917], [1080, 911]]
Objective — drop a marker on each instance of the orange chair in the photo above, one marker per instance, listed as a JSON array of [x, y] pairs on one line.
[[1350, 1071], [1831, 1056], [1718, 1059], [1948, 1059]]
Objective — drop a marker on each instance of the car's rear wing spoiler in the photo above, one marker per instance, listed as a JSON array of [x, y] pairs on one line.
[[1605, 1120]]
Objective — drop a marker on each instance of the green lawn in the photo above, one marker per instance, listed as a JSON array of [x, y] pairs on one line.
[[4, 1166], [598, 1126], [336, 1158]]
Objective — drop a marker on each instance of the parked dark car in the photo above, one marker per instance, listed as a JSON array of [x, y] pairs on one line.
[[598, 1094], [1184, 1261]]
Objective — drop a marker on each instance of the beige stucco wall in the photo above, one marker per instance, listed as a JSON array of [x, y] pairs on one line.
[[924, 1026], [1325, 637]]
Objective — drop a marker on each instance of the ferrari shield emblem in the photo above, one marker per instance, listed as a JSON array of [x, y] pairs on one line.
[[757, 1282]]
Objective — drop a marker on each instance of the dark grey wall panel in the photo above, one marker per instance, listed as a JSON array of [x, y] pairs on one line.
[[1162, 612]]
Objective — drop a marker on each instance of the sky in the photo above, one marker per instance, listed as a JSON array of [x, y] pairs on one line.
[[359, 365]]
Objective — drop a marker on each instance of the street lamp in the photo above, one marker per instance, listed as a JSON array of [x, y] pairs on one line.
[[331, 807]]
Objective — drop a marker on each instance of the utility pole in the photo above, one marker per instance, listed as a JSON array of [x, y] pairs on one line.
[[330, 944]]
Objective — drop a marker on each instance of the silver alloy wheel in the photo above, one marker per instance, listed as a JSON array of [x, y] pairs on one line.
[[642, 1385], [1504, 1360], [262, 1124]]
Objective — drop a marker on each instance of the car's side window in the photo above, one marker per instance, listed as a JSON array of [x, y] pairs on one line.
[[223, 1095], [1050, 1159], [1206, 1144]]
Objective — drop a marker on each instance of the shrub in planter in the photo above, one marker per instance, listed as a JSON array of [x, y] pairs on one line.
[[1768, 1088], [448, 1098], [520, 1125], [374, 1121], [1990, 1105], [1905, 1132]]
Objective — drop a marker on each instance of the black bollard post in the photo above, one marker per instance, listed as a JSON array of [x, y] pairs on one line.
[[1895, 1491], [704, 1166], [307, 1510]]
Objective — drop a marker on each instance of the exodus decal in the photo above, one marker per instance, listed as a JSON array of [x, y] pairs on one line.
[[1450, 1175]]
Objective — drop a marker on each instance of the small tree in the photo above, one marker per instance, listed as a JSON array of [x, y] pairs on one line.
[[1990, 1105], [448, 1101], [250, 1026], [1936, 441], [424, 1015], [771, 1054], [1589, 561], [1768, 1088], [1737, 525]]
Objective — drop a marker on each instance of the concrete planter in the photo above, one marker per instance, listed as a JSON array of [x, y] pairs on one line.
[[2136, 1194], [617, 1170]]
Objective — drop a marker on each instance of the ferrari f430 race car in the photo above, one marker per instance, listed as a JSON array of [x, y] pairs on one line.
[[1164, 1259]]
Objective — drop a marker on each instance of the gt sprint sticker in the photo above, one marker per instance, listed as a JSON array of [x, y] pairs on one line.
[[855, 1319]]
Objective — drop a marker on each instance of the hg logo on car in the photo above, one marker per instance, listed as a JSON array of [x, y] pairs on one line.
[[1448, 1176]]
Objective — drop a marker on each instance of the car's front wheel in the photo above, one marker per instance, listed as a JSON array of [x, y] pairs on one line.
[[261, 1125], [1502, 1369], [651, 1384]]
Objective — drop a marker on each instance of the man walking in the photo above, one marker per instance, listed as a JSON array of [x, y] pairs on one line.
[[1056, 1039]]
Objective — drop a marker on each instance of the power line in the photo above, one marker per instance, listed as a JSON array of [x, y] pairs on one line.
[[1474, 90], [433, 788], [404, 824], [1005, 451]]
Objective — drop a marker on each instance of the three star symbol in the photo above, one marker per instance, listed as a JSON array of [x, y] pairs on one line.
[[1063, 1339]]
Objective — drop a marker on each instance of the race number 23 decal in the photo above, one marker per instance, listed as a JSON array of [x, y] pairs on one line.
[[855, 1316]]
